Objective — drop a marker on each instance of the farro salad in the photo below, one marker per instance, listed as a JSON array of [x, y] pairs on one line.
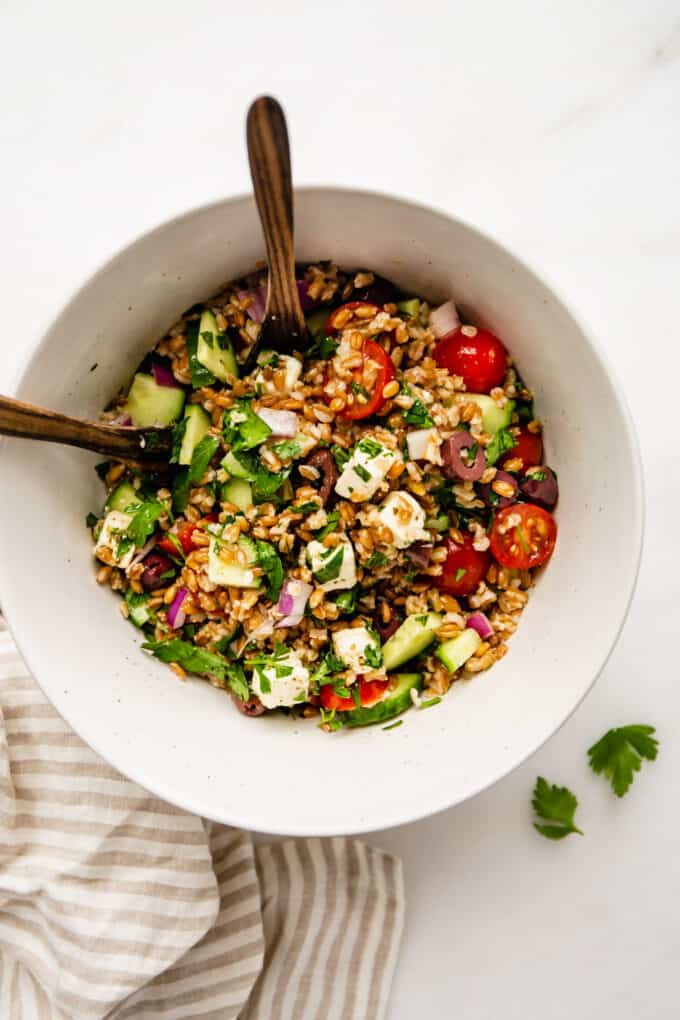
[[344, 532]]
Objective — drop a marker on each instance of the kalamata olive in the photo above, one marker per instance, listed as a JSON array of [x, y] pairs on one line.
[[252, 707], [455, 454], [540, 485], [380, 292], [495, 499], [419, 554], [385, 628], [156, 564], [324, 462]]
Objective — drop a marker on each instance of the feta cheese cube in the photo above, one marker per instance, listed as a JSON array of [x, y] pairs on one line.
[[284, 683], [405, 518], [424, 444], [108, 544], [337, 564], [351, 644], [292, 368], [365, 470]]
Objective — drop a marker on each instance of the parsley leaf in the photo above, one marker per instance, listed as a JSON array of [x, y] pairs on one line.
[[180, 490], [287, 449], [192, 658], [330, 720], [500, 444], [328, 667], [306, 508], [373, 656], [323, 348], [361, 472], [371, 447], [347, 600], [555, 804], [178, 431], [138, 611], [242, 428], [143, 522], [376, 559], [201, 457], [265, 483], [333, 519], [270, 561], [91, 520], [460, 573], [359, 390], [418, 415], [619, 753], [393, 726], [332, 565], [200, 376], [340, 456]]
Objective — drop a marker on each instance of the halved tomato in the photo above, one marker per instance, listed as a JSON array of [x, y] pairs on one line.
[[523, 536], [339, 314], [370, 691]]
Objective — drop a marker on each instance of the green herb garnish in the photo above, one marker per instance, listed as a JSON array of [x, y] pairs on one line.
[[557, 805], [347, 600], [200, 376], [332, 565], [340, 456], [460, 573], [394, 725], [371, 447], [178, 432], [91, 520], [332, 521], [418, 415], [143, 523], [288, 449], [375, 560], [201, 457], [618, 754], [362, 473], [500, 444], [180, 490], [242, 428], [270, 561], [198, 660]]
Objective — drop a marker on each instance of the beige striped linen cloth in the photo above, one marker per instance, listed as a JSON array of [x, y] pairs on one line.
[[116, 905]]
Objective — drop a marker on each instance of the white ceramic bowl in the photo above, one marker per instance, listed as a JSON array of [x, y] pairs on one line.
[[184, 741]]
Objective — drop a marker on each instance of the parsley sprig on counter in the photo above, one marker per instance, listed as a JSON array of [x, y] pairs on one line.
[[556, 805], [618, 755]]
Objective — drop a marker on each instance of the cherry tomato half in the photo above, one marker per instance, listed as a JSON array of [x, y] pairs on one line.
[[185, 536], [476, 355], [370, 691], [464, 567], [351, 306], [526, 542], [529, 449], [367, 382]]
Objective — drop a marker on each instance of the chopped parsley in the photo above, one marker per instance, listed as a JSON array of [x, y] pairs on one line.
[[430, 702], [143, 522], [172, 537], [306, 508], [373, 656], [460, 574], [330, 720], [522, 540], [556, 805], [178, 432], [138, 611], [340, 456], [270, 561], [376, 559], [360, 391], [201, 457], [200, 375], [500, 444], [180, 490], [371, 447], [327, 669], [332, 565], [618, 754], [362, 473], [287, 449], [91, 520], [332, 521], [222, 645], [265, 483], [198, 660], [323, 348], [418, 415], [393, 726], [242, 428], [347, 600]]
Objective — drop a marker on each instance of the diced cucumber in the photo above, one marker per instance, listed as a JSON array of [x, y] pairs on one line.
[[394, 702], [411, 306], [458, 650], [138, 609], [440, 523], [239, 492], [214, 350], [233, 574], [120, 498], [493, 416], [413, 637], [316, 322], [150, 404], [233, 465], [198, 423]]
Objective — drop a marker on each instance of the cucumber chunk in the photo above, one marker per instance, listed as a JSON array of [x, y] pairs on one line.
[[316, 322], [441, 522], [239, 492], [458, 650], [150, 404], [411, 306], [120, 498], [236, 573], [494, 417], [198, 423], [214, 350], [413, 637], [392, 704], [233, 465]]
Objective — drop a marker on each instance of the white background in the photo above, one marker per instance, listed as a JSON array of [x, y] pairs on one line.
[[555, 127]]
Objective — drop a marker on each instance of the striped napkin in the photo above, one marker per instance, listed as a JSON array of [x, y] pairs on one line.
[[114, 904]]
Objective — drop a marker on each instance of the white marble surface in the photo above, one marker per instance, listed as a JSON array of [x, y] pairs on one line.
[[553, 126]]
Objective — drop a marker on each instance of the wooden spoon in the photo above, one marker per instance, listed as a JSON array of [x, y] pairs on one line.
[[284, 328], [144, 448]]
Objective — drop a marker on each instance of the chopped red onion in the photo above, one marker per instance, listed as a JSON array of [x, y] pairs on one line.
[[162, 374], [479, 622], [282, 423], [256, 307], [306, 302], [292, 602], [176, 615], [139, 556], [444, 319]]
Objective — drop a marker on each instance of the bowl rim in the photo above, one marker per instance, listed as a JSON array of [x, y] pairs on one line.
[[637, 504]]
